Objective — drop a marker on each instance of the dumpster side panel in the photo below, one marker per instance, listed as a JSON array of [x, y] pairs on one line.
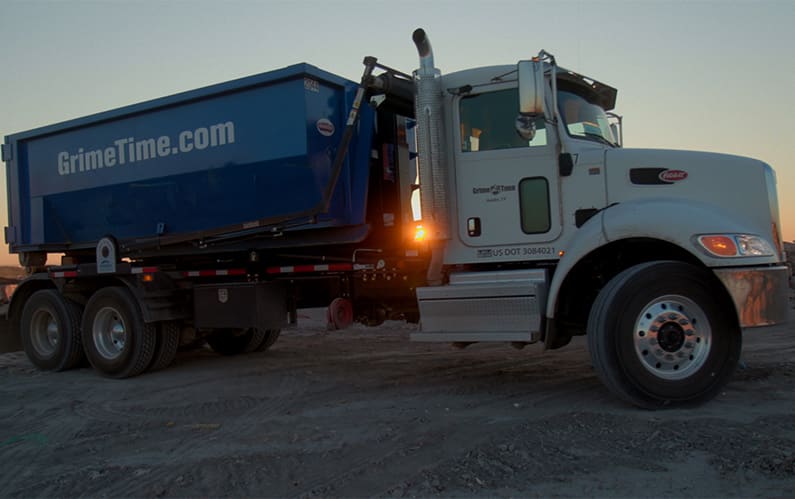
[[258, 148]]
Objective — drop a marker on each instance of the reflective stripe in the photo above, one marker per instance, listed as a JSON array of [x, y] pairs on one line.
[[214, 273], [62, 274], [291, 269], [144, 270]]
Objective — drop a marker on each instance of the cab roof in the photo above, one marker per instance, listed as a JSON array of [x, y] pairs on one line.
[[594, 91]]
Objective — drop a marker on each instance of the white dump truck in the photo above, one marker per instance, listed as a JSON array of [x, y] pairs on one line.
[[494, 204]]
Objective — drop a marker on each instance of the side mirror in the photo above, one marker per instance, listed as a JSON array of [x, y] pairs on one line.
[[531, 87]]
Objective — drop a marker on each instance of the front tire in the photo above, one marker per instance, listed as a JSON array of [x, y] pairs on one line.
[[659, 334], [118, 343], [50, 331]]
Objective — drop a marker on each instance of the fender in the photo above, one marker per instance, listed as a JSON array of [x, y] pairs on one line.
[[25, 288], [155, 305], [673, 220], [587, 238]]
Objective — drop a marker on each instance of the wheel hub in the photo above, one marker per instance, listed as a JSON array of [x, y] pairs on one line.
[[45, 334], [672, 337], [109, 333]]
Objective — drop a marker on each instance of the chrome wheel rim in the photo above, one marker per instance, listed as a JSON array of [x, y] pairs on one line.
[[109, 333], [672, 337], [45, 334]]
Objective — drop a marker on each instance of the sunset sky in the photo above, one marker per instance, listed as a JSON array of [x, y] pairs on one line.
[[713, 76]]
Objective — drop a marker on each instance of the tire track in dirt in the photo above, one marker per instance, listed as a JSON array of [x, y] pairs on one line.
[[368, 415], [183, 426], [586, 446], [29, 440], [20, 455], [408, 449]]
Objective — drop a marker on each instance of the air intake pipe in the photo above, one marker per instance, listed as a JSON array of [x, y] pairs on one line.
[[430, 133]]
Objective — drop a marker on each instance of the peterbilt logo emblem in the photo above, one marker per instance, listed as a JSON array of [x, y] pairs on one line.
[[673, 175], [223, 295]]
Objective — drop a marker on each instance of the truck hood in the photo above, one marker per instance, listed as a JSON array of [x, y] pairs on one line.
[[737, 186]]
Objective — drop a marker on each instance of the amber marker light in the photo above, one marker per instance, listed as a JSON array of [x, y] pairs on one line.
[[420, 234], [147, 278], [719, 245]]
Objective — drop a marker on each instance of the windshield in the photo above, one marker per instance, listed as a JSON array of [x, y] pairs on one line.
[[583, 119]]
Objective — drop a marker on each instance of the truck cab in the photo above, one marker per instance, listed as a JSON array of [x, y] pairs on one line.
[[549, 228]]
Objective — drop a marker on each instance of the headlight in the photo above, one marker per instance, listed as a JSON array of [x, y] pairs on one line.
[[754, 246], [734, 245]]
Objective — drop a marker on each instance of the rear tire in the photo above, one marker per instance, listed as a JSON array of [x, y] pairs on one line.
[[271, 335], [167, 345], [660, 335], [117, 341], [50, 331], [232, 342]]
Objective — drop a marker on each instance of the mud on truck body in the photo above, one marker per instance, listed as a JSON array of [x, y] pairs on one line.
[[490, 204]]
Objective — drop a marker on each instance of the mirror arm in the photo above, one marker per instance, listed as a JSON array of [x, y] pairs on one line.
[[560, 125], [620, 126]]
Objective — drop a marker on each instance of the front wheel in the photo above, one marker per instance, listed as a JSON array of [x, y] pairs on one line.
[[659, 334]]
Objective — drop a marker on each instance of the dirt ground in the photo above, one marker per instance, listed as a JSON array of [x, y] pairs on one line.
[[364, 412]]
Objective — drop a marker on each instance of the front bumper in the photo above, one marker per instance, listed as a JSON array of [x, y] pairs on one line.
[[760, 294]]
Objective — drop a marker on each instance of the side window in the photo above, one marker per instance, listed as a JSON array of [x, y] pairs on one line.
[[488, 122], [534, 205]]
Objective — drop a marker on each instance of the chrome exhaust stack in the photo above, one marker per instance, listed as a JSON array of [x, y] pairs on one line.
[[430, 133]]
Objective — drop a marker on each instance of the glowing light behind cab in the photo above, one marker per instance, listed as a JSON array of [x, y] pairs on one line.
[[420, 234]]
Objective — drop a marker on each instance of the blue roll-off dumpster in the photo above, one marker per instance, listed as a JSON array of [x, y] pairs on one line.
[[253, 152]]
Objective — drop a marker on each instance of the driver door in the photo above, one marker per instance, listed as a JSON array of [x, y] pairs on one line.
[[507, 186]]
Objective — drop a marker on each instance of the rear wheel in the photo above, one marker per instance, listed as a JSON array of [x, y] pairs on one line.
[[117, 341], [50, 331], [234, 342], [166, 346], [271, 335], [659, 335]]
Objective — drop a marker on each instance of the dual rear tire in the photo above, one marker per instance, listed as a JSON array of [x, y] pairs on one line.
[[58, 334], [50, 331], [231, 342], [117, 342]]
